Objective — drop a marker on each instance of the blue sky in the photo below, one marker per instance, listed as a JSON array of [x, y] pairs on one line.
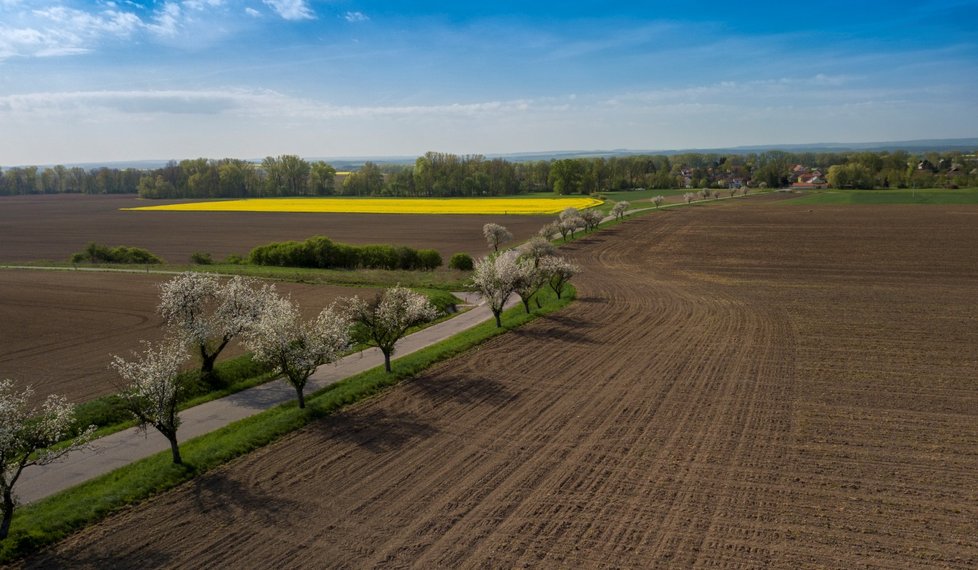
[[84, 81]]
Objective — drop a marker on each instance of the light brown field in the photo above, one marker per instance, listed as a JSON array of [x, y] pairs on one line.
[[743, 385], [60, 327]]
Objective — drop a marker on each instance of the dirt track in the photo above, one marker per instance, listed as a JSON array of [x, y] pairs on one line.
[[741, 385], [60, 327], [53, 227]]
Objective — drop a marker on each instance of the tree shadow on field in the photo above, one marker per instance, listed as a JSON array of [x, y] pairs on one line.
[[100, 559], [591, 299], [557, 328], [376, 430], [218, 496], [468, 388]]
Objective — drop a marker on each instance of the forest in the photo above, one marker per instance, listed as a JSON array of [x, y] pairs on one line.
[[444, 175]]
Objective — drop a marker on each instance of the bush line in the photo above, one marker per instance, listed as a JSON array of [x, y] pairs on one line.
[[323, 253]]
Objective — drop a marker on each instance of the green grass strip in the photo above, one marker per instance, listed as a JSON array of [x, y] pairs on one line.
[[931, 196], [51, 519]]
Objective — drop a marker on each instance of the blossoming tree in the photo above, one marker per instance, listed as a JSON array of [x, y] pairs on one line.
[[386, 320], [209, 314], [496, 235], [296, 347], [26, 435], [496, 277], [559, 271], [153, 387]]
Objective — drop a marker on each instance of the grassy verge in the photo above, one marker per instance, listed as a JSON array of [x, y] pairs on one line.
[[930, 196], [441, 279], [110, 415], [51, 519]]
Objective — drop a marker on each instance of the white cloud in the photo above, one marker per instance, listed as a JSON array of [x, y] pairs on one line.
[[291, 9], [166, 22], [203, 4], [252, 12], [64, 31], [355, 17], [253, 103]]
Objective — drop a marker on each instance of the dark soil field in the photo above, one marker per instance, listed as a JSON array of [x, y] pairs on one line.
[[60, 327], [54, 227], [748, 384]]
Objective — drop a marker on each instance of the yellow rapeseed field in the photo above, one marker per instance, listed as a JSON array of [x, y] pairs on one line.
[[387, 205]]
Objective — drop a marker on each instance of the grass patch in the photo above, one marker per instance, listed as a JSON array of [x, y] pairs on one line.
[[110, 415], [930, 196], [52, 519]]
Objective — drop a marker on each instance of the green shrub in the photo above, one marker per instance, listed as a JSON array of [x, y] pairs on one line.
[[201, 258], [234, 259], [98, 253], [429, 259], [461, 261], [323, 253]]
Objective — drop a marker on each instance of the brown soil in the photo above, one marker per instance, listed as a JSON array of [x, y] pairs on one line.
[[740, 385], [60, 327], [54, 227]]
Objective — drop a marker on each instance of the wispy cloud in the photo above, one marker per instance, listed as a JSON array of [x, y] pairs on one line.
[[166, 21], [237, 101], [63, 31], [354, 17], [291, 9]]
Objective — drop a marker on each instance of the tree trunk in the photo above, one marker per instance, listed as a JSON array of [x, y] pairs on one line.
[[499, 322], [301, 396], [526, 304], [206, 361], [175, 449], [8, 512], [387, 360]]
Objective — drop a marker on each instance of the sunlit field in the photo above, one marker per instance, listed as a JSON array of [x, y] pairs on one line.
[[387, 205]]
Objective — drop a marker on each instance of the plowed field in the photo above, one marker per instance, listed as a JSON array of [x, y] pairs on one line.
[[60, 327], [53, 227], [742, 385]]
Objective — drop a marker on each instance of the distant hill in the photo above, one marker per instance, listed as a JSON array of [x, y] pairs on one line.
[[353, 162]]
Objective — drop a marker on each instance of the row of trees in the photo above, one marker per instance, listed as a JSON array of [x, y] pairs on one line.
[[523, 271], [63, 180], [445, 174], [286, 175], [204, 315]]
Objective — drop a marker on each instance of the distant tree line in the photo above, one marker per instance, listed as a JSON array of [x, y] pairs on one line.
[[63, 180], [444, 175]]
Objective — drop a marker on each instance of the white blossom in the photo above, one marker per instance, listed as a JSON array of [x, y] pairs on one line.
[[559, 271], [618, 211], [208, 314], [569, 213], [536, 247], [295, 347], [26, 435], [387, 319], [529, 279], [496, 277], [591, 219], [153, 387], [496, 235]]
